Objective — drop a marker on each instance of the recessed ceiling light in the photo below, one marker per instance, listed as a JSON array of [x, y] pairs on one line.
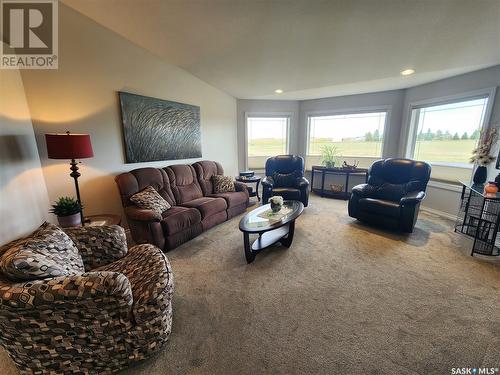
[[407, 72], [278, 91]]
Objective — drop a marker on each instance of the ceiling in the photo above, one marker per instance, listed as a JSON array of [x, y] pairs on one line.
[[309, 48]]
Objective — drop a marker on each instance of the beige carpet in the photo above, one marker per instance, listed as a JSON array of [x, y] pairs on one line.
[[344, 299]]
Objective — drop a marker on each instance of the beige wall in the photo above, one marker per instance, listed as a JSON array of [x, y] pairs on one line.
[[81, 96], [24, 201]]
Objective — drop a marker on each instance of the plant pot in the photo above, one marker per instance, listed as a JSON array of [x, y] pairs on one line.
[[330, 164], [480, 175], [275, 207], [70, 220]]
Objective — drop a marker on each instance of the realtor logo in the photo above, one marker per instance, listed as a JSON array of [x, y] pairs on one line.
[[29, 34]]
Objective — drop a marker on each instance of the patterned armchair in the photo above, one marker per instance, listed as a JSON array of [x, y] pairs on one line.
[[116, 311]]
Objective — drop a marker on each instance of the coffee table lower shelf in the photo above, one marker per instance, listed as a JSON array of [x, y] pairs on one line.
[[283, 235]]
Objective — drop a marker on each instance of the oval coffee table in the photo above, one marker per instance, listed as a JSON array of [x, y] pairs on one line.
[[270, 228]]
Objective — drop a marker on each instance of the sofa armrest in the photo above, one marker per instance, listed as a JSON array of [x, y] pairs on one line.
[[267, 182], [99, 245], [412, 198], [363, 190], [142, 214], [240, 186], [83, 290]]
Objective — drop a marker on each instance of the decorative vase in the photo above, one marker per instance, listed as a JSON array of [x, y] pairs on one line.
[[275, 207], [70, 220], [330, 164], [491, 188], [480, 175]]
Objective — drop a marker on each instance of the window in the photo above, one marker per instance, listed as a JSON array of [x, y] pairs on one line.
[[266, 136], [354, 135], [445, 134]]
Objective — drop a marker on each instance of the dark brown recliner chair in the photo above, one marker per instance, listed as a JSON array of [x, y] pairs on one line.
[[237, 201], [392, 195], [285, 177]]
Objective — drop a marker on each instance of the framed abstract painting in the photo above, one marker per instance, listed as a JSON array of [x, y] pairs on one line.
[[156, 129]]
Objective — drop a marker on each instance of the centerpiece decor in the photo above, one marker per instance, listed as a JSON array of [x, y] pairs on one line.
[[276, 203], [67, 211], [481, 156]]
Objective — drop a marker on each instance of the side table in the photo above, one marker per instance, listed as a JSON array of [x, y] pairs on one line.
[[251, 180], [102, 219]]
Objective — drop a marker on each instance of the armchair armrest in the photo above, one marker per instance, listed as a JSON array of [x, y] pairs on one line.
[[99, 245], [72, 290], [302, 182], [363, 190], [412, 198], [142, 214], [267, 182]]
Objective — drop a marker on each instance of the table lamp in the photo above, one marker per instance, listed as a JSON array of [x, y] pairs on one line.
[[70, 146]]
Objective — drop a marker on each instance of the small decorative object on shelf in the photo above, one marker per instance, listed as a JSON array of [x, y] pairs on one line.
[[67, 211], [337, 188], [481, 155], [491, 188], [247, 174], [329, 156], [350, 166], [276, 203]]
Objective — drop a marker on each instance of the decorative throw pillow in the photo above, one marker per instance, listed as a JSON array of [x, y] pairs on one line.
[[286, 179], [222, 184], [149, 199], [48, 252]]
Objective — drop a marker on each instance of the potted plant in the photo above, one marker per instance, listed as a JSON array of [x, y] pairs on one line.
[[67, 211], [329, 156], [481, 156], [276, 203]]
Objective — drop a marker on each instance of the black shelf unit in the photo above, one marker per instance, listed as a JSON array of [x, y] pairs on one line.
[[324, 171], [479, 218]]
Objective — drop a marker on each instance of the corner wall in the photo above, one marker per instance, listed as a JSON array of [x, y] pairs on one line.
[[24, 200], [82, 96]]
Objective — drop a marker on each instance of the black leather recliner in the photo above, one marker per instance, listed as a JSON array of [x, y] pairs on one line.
[[392, 195], [285, 177]]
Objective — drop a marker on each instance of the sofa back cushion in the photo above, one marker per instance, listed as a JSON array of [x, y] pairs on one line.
[[48, 252], [132, 182], [184, 183], [205, 170]]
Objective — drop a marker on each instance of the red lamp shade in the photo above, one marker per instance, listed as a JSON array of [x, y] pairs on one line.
[[68, 146]]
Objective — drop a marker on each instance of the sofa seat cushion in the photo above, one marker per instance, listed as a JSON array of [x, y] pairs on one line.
[[287, 193], [232, 199], [48, 252], [380, 207], [149, 273], [207, 205], [177, 219]]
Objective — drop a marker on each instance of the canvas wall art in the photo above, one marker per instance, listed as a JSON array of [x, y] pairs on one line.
[[156, 129]]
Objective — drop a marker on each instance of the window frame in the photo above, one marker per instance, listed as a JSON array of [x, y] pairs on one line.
[[410, 139], [287, 115], [350, 111]]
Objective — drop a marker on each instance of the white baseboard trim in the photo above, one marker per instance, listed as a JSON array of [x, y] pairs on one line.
[[439, 213]]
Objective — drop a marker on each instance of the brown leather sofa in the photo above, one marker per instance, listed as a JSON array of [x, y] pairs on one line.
[[188, 189]]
